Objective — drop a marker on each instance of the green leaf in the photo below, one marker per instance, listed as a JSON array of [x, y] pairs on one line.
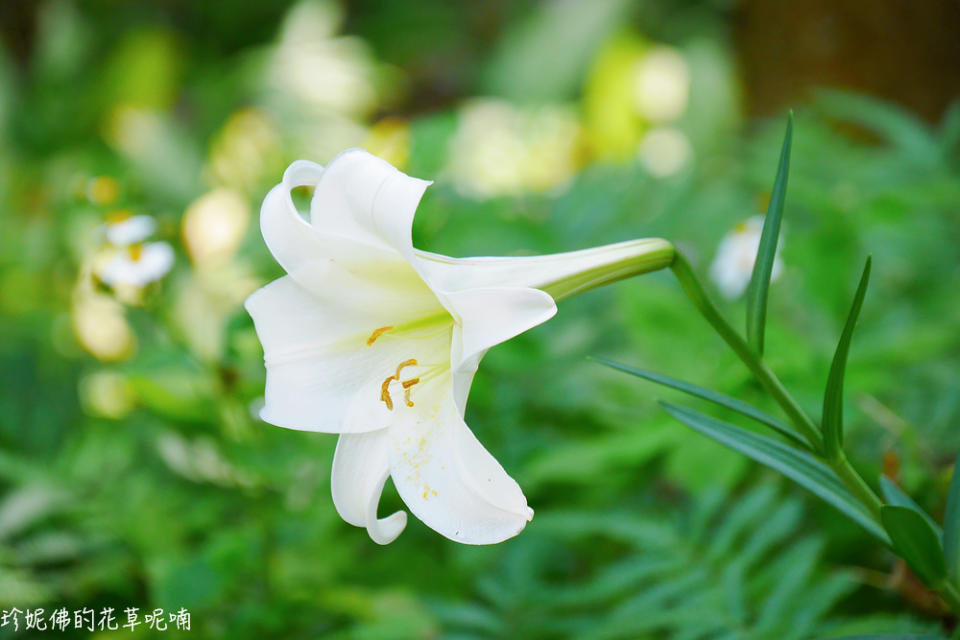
[[898, 497], [916, 542], [832, 422], [889, 636], [951, 523], [799, 466], [711, 396], [763, 267]]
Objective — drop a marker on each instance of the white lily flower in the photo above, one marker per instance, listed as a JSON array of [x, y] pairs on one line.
[[733, 265], [123, 229], [137, 264], [379, 342]]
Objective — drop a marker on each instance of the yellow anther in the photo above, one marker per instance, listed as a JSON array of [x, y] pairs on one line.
[[135, 251], [385, 387], [385, 393], [412, 362], [377, 333]]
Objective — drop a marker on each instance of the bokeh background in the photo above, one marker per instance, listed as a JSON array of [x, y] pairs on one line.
[[133, 471]]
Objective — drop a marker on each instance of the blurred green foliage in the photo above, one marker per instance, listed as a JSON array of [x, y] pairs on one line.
[[134, 473]]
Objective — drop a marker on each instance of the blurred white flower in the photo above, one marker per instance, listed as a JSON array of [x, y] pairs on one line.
[[137, 264], [370, 338], [662, 85], [502, 149], [736, 254], [200, 460], [204, 298], [325, 71], [123, 228], [664, 151]]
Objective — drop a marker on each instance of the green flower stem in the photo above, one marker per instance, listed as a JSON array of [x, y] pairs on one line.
[[593, 268], [694, 290], [856, 484]]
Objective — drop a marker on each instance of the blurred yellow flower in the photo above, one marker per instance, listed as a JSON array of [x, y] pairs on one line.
[[103, 190], [502, 149], [612, 127], [389, 139], [243, 149], [101, 328], [214, 225], [133, 130], [632, 86], [106, 394]]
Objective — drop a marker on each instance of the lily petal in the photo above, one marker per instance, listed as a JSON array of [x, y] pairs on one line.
[[365, 198], [297, 245], [492, 315], [449, 481], [463, 380], [321, 373], [360, 469]]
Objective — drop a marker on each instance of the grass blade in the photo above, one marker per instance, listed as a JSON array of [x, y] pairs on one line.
[[799, 466], [711, 396], [763, 266], [832, 422], [951, 523], [915, 542]]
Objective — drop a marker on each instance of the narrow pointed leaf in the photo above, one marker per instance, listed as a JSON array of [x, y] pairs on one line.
[[763, 266], [915, 542], [711, 396], [951, 523], [898, 497], [799, 466], [832, 421]]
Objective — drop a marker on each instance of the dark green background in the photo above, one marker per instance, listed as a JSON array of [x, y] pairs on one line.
[[181, 498]]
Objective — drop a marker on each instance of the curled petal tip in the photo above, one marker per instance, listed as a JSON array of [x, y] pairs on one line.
[[386, 530]]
